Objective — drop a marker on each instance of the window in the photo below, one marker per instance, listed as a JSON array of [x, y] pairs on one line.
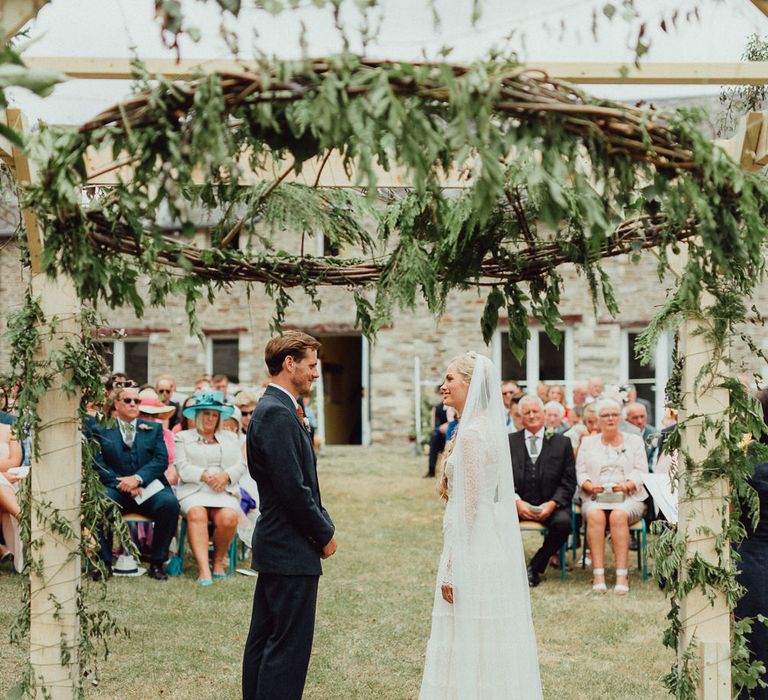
[[543, 360], [128, 356], [650, 380], [224, 357]]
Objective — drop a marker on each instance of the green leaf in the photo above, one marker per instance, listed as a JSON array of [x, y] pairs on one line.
[[38, 81]]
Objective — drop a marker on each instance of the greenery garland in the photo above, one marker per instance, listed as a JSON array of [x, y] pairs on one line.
[[576, 176]]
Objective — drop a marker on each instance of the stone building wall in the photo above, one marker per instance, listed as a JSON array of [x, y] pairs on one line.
[[596, 336]]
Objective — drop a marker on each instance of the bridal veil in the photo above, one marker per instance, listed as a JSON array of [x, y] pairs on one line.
[[482, 647]]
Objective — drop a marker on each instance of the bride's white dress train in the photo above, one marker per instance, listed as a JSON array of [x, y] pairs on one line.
[[483, 646]]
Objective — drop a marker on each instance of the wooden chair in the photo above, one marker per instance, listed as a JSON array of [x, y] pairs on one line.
[[535, 526]]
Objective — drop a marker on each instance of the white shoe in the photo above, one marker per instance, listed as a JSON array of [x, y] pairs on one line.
[[599, 587], [621, 588]]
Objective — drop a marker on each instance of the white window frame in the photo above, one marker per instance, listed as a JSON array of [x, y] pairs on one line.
[[209, 351], [532, 357], [118, 351], [660, 361]]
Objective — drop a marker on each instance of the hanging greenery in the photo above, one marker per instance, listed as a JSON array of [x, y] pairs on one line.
[[550, 175]]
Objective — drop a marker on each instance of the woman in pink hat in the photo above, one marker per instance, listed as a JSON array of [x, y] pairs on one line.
[[151, 408]]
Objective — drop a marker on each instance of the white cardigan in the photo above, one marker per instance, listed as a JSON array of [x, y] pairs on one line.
[[190, 460]]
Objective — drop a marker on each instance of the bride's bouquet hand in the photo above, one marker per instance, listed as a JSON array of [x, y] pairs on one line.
[[447, 592]]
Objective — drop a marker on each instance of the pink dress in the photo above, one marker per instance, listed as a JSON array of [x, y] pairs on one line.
[[9, 524]]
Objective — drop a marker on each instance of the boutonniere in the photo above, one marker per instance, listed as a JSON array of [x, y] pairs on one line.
[[144, 426], [548, 433], [305, 421]]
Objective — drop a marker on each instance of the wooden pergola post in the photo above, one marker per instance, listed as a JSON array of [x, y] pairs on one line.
[[703, 516], [54, 562]]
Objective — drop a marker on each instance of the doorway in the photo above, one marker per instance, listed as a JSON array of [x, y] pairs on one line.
[[342, 388]]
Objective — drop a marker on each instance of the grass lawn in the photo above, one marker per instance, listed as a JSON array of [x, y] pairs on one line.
[[374, 609]]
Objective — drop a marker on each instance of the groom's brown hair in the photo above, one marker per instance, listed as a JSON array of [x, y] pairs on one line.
[[293, 343]]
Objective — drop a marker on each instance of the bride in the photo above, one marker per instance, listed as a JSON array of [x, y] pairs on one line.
[[482, 645]]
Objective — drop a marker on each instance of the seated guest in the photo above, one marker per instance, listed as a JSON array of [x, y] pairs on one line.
[[595, 390], [610, 468], [556, 392], [220, 382], [753, 569], [233, 424], [165, 387], [636, 414], [184, 422], [152, 409], [118, 380], [10, 458], [543, 468], [579, 394], [514, 414], [587, 426], [203, 383], [133, 456], [210, 463], [554, 417], [246, 401], [510, 391], [437, 437]]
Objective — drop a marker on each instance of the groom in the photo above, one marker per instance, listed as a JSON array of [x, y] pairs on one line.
[[293, 532]]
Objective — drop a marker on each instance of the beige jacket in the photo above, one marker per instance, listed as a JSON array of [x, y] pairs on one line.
[[190, 461]]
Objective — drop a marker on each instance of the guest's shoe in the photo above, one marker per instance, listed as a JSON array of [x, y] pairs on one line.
[[204, 582], [218, 577], [533, 578], [429, 475], [98, 575], [599, 587], [156, 572], [621, 588]]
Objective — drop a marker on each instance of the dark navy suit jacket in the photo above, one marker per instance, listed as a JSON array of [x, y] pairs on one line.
[[148, 457], [557, 467], [293, 526]]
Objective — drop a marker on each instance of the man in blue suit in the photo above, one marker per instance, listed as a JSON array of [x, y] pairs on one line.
[[293, 532], [133, 456]]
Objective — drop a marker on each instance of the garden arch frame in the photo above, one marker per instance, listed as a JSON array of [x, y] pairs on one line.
[[709, 623]]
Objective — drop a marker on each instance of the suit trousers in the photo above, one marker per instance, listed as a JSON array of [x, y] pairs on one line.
[[162, 509], [279, 641], [559, 527]]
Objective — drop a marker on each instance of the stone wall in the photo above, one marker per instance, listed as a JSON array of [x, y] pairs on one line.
[[597, 336]]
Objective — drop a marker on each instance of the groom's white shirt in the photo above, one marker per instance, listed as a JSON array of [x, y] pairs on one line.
[[288, 393]]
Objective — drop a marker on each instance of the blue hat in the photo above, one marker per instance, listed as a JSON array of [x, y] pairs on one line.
[[209, 401]]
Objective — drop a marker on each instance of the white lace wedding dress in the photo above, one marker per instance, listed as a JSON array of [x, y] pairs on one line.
[[483, 646]]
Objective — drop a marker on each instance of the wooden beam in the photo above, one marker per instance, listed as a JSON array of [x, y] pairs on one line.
[[25, 171], [595, 73], [761, 5], [14, 14]]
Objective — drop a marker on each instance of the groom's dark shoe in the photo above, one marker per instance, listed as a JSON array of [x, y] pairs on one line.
[[533, 578]]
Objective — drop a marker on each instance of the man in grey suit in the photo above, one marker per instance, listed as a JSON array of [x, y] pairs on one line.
[[293, 532]]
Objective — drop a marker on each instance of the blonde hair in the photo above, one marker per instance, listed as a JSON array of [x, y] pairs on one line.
[[199, 421], [464, 365]]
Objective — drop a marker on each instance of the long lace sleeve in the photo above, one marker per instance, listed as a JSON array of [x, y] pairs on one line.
[[472, 448]]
